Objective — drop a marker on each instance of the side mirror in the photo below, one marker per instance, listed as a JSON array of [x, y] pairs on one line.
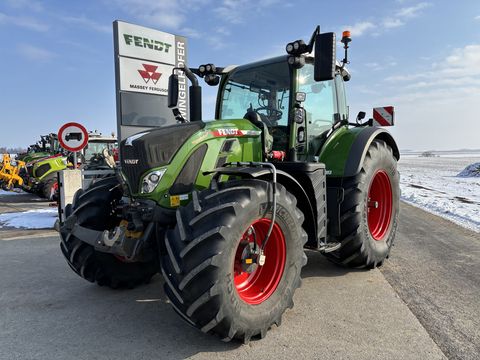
[[172, 91], [325, 57], [361, 115]]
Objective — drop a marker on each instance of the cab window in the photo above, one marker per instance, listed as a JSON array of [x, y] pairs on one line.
[[320, 103]]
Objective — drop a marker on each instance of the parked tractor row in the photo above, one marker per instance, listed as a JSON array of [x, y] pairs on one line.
[[36, 170]]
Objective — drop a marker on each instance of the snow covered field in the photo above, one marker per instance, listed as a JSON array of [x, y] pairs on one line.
[[431, 183]]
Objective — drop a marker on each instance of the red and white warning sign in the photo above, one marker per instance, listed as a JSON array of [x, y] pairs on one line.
[[73, 136], [384, 116]]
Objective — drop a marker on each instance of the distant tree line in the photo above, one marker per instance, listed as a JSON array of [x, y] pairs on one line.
[[15, 150]]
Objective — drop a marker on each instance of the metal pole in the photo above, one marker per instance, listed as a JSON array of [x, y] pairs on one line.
[[75, 160]]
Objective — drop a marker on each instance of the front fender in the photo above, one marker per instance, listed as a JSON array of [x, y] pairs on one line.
[[345, 150]]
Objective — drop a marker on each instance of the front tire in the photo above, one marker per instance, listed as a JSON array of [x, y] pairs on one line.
[[93, 209], [369, 211], [207, 279]]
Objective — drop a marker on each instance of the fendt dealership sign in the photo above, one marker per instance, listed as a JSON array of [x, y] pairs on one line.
[[144, 59]]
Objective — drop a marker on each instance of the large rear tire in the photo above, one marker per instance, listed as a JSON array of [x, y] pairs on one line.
[[207, 279], [93, 209], [369, 212]]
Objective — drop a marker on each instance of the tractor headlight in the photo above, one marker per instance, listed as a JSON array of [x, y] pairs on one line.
[[151, 180], [289, 48]]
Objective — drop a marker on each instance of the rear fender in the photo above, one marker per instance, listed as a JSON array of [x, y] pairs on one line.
[[345, 150], [360, 146]]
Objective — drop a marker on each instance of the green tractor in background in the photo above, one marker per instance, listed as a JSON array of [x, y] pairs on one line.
[[42, 175], [43, 161], [42, 170], [225, 209], [48, 145]]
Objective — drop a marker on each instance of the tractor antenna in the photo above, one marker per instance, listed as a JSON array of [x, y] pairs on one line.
[[345, 40]]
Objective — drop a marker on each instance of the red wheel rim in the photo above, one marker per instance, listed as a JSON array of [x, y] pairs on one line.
[[257, 286], [380, 205]]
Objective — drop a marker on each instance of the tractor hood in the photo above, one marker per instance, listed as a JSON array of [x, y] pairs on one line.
[[166, 164], [152, 149]]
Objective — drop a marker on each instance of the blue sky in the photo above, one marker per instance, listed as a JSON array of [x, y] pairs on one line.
[[423, 57]]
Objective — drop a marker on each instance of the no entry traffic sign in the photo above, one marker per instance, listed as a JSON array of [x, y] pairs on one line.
[[73, 136]]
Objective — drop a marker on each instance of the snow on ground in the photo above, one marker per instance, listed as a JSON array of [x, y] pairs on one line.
[[432, 184], [32, 219]]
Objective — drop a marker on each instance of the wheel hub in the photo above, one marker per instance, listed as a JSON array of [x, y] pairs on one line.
[[379, 205], [254, 283]]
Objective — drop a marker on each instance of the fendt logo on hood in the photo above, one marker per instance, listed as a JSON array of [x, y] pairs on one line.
[[149, 72], [131, 161]]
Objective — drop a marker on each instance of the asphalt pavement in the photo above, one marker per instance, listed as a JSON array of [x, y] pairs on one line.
[[435, 269], [420, 306]]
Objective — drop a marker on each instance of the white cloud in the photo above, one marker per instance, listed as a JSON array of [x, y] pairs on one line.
[[170, 15], [360, 28], [404, 14], [400, 19], [223, 30], [25, 4], [439, 97], [173, 15], [189, 32], [477, 17], [412, 11], [389, 23], [23, 21], [459, 67], [86, 22], [380, 66], [35, 53], [240, 11]]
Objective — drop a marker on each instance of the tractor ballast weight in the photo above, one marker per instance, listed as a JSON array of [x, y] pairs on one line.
[[227, 207]]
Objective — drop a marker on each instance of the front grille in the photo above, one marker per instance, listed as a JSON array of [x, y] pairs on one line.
[[155, 148]]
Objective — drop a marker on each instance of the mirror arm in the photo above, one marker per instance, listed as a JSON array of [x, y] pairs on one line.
[[312, 39]]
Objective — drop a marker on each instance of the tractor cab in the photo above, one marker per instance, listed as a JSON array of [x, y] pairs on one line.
[[100, 151], [274, 93]]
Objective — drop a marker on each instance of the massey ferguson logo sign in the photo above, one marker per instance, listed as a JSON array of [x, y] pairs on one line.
[[140, 76], [149, 72]]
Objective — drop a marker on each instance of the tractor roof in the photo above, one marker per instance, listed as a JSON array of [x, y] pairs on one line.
[[344, 71]]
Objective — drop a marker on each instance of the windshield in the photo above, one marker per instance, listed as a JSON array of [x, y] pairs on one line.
[[264, 89], [96, 148]]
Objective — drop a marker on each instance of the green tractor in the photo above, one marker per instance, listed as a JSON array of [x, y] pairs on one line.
[[42, 175], [43, 161], [224, 209], [47, 146]]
